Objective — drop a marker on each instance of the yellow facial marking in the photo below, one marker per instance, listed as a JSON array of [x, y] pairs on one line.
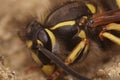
[[39, 42], [52, 37], [91, 8], [48, 69], [82, 34], [35, 57], [118, 3], [29, 43], [62, 24]]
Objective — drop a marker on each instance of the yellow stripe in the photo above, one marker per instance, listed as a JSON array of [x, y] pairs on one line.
[[52, 37], [82, 34], [91, 8], [113, 26], [76, 52], [40, 42], [111, 37], [118, 3], [29, 43], [62, 24]]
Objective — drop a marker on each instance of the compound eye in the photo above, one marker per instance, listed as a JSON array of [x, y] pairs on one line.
[[42, 36]]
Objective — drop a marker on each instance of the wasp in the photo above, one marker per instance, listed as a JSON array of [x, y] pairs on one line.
[[71, 27]]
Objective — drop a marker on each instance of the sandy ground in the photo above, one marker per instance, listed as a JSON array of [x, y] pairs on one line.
[[15, 59]]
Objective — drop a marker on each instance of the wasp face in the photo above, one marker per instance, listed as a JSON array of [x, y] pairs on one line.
[[75, 25]]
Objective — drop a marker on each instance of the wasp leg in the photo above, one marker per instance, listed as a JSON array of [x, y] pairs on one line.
[[113, 38], [81, 48], [113, 26], [61, 64], [85, 52], [110, 37]]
